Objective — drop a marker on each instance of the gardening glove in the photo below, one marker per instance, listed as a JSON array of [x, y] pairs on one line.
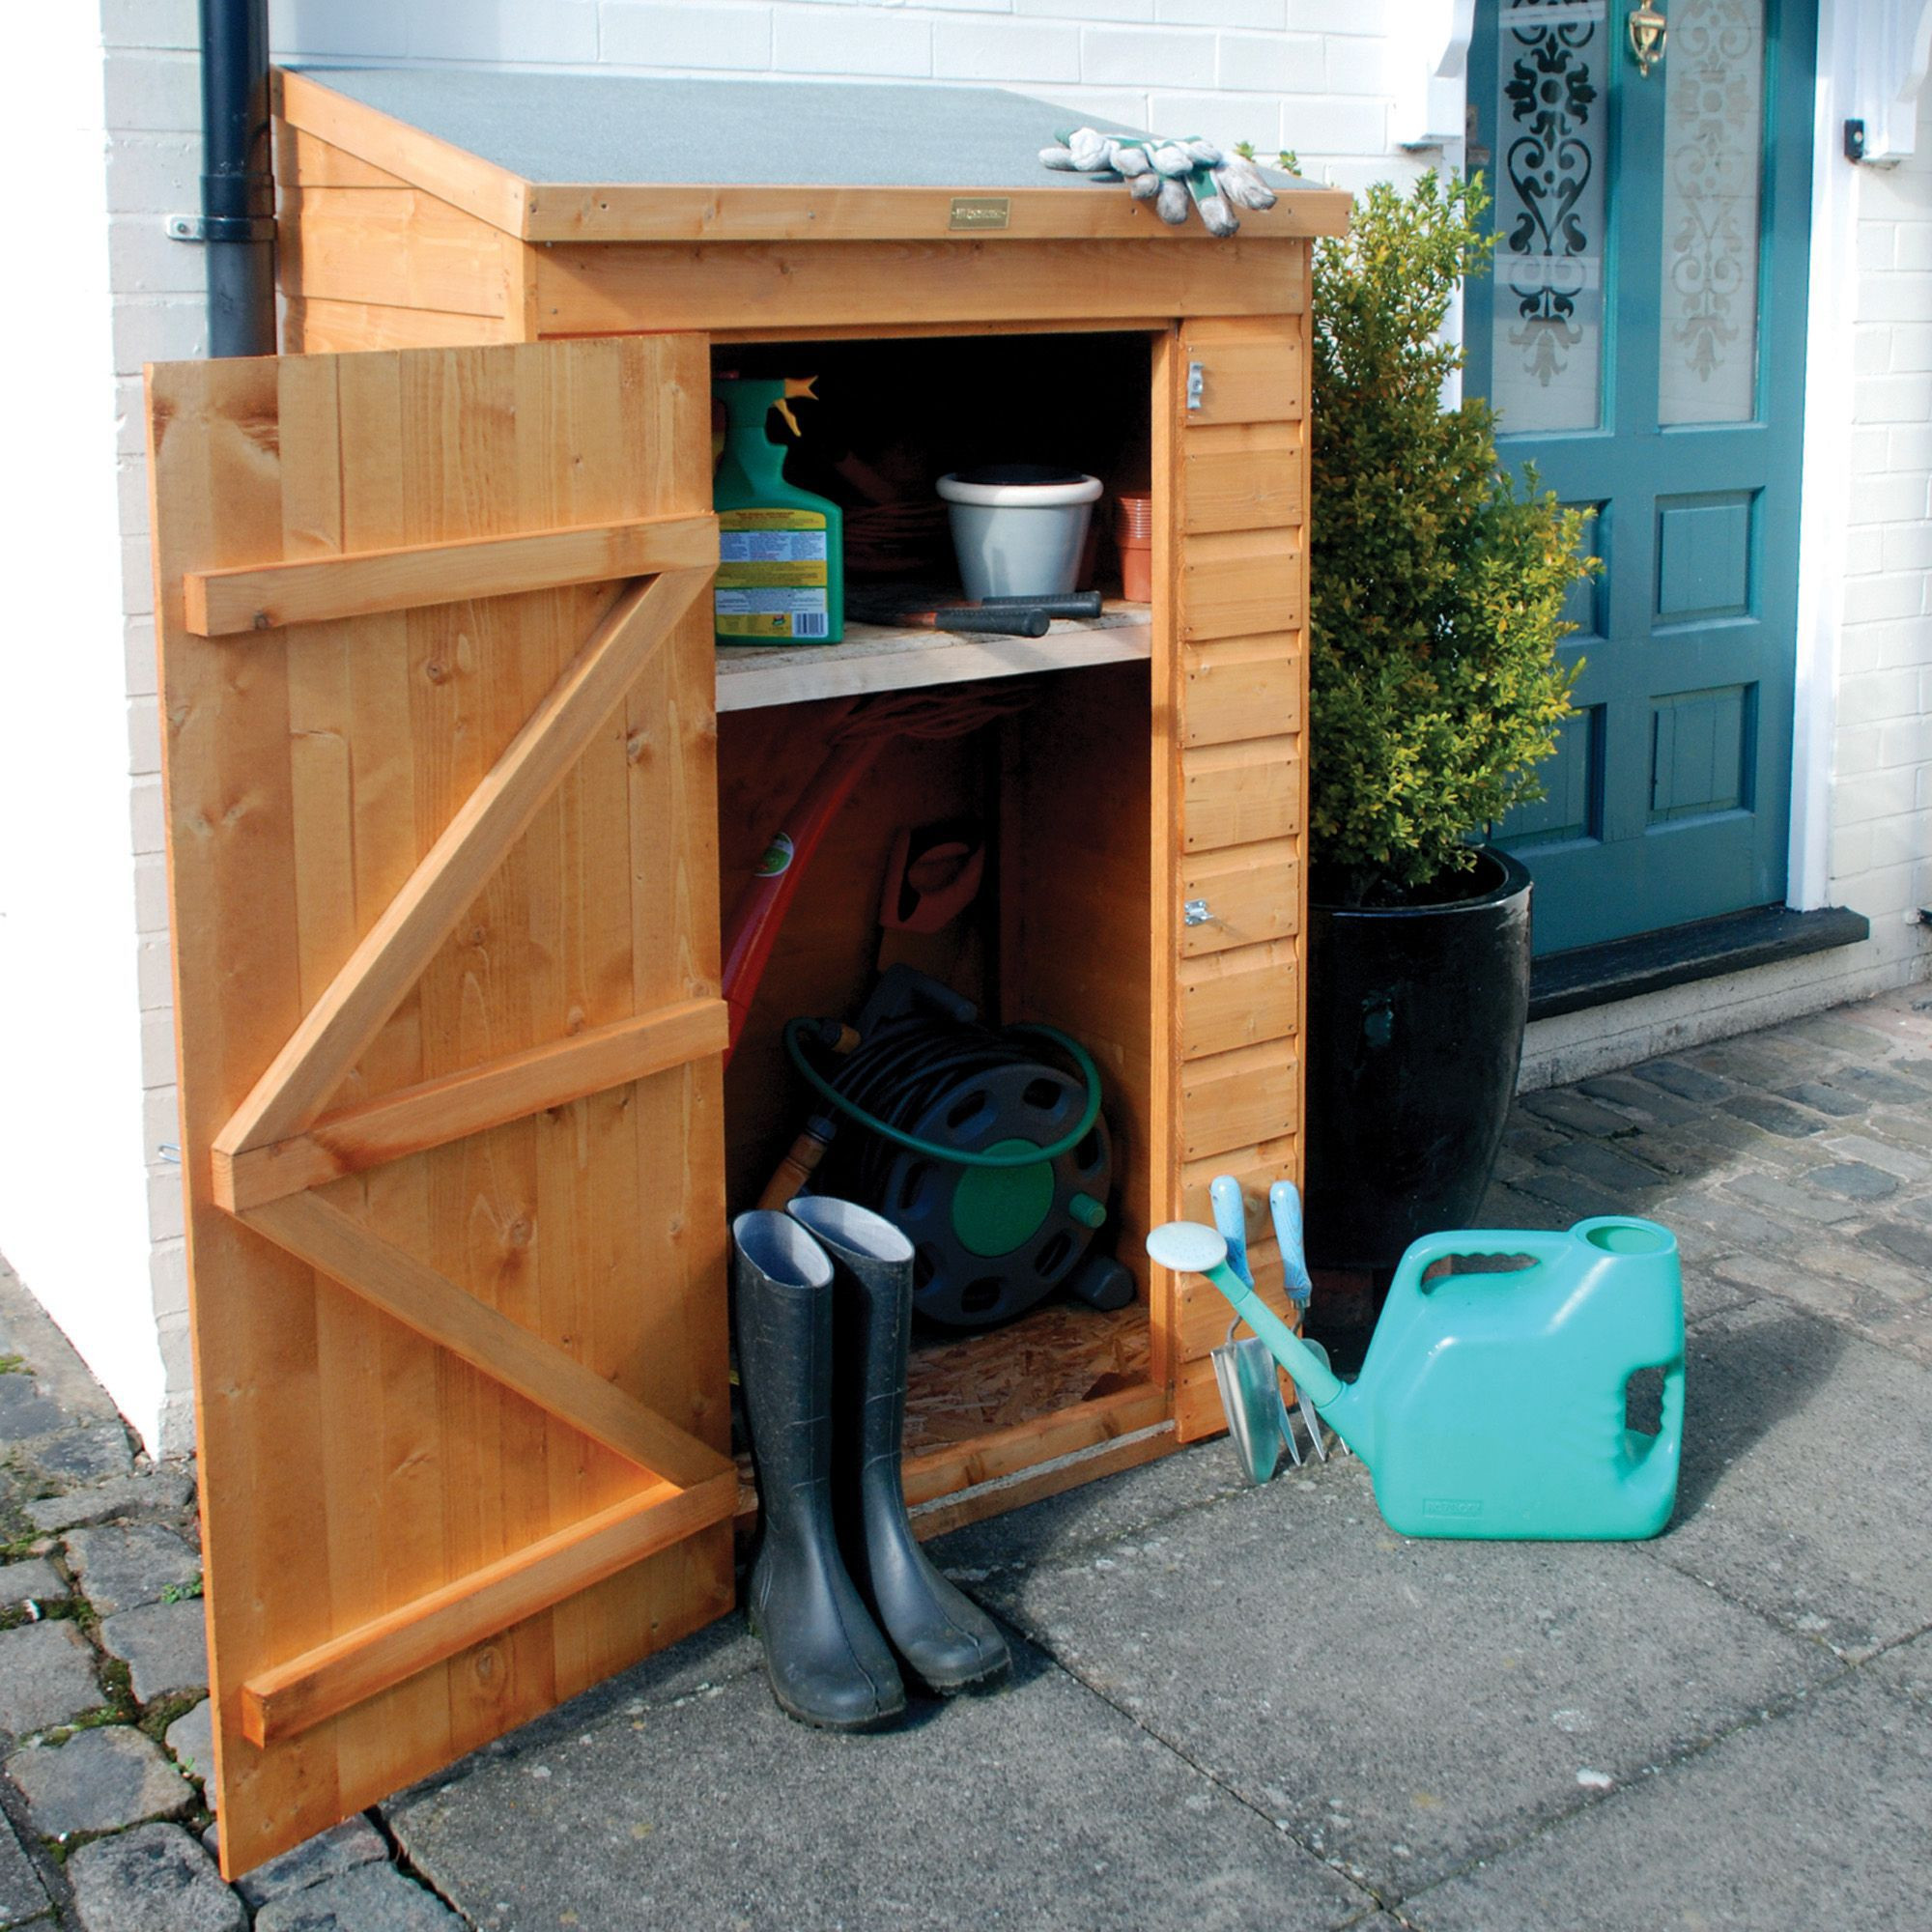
[[1173, 175], [1240, 181], [1216, 216]]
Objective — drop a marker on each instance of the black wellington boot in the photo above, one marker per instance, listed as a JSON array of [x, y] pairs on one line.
[[827, 1663], [941, 1636]]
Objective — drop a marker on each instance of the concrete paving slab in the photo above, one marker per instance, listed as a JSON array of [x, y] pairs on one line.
[[1040, 1806], [719, 1654], [1907, 1668], [1814, 1818], [1806, 1485], [1096, 1513], [1404, 1706]]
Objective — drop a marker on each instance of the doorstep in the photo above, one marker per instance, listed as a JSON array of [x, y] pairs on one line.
[[1706, 949]]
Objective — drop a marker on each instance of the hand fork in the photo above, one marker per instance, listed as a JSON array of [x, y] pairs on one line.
[[1285, 1206]]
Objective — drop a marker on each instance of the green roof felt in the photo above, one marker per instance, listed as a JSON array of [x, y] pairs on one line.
[[626, 130]]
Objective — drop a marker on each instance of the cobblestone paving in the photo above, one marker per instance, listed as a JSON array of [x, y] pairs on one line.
[[104, 1728], [1794, 1164]]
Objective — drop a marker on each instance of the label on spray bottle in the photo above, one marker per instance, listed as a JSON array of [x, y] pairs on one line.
[[773, 579]]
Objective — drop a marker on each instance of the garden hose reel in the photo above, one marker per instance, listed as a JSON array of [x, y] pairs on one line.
[[983, 1147]]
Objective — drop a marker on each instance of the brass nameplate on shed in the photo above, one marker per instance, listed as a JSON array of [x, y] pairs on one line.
[[980, 210]]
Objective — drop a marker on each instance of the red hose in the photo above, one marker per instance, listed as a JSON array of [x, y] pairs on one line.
[[754, 928]]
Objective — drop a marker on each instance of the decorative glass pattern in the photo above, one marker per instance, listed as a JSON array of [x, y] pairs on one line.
[[1712, 162], [1553, 121]]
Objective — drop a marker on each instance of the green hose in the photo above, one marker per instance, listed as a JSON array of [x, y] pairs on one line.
[[794, 1031]]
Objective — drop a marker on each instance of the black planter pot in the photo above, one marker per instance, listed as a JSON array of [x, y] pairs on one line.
[[1415, 1020]]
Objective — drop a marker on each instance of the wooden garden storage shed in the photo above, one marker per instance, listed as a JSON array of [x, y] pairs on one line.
[[456, 777]]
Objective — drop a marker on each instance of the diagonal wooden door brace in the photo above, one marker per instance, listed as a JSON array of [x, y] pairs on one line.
[[374, 979], [319, 1233]]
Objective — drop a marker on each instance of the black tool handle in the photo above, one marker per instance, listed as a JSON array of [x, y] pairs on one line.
[[1075, 603], [1012, 622]]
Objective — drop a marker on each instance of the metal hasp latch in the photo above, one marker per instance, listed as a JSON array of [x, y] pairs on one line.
[[1197, 383], [1193, 912]]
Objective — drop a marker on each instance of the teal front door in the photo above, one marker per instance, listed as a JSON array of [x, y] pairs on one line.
[[1643, 336]]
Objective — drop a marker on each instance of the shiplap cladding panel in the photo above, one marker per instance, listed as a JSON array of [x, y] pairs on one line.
[[1241, 593]]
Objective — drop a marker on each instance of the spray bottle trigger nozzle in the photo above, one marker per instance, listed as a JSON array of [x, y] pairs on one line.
[[783, 408]]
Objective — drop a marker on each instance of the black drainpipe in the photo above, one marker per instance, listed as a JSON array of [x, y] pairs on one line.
[[237, 189]]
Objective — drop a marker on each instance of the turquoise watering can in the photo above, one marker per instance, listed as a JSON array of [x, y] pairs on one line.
[[1492, 1404]]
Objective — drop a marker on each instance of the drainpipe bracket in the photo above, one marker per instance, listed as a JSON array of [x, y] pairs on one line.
[[221, 228]]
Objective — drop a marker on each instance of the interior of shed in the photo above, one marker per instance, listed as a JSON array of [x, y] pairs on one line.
[[1051, 769]]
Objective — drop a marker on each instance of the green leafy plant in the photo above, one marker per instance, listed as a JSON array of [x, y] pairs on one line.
[[1438, 584]]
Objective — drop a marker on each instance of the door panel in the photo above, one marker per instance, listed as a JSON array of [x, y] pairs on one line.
[[443, 897], [1642, 335]]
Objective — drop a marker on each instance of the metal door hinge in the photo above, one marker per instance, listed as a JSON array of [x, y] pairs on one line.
[[1197, 383], [1195, 913]]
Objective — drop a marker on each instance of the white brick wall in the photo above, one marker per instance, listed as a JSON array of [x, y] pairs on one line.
[[1881, 838], [73, 1121]]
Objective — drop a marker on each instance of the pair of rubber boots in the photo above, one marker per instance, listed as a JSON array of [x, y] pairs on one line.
[[824, 1321]]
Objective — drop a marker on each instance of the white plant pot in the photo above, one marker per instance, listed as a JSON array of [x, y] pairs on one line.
[[1018, 528]]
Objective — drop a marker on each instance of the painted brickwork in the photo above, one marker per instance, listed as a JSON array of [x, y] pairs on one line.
[[1881, 838], [1334, 79]]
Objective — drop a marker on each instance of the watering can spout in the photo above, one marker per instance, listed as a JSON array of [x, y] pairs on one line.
[[1352, 1416], [1189, 1248]]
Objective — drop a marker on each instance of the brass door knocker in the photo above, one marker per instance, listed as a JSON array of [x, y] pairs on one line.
[[1648, 32]]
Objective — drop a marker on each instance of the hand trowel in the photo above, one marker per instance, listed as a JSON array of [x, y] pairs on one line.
[[1246, 1374]]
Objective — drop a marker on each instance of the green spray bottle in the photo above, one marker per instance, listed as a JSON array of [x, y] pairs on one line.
[[781, 550]]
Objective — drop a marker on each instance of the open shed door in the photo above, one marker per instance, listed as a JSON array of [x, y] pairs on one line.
[[437, 678]]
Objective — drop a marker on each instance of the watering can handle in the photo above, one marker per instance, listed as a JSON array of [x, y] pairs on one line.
[[1540, 1245], [1672, 1427]]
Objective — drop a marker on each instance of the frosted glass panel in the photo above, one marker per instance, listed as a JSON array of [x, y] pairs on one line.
[[1713, 139], [1554, 111]]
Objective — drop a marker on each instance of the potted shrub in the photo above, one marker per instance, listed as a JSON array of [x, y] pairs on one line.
[[1437, 603]]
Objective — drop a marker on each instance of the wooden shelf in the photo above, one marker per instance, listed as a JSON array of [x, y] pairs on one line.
[[874, 658]]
